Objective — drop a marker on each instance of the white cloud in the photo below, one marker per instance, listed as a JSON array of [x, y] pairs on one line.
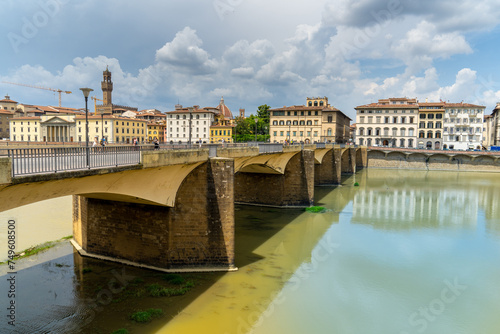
[[185, 54]]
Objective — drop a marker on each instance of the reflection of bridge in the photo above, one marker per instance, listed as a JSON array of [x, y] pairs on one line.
[[175, 209]]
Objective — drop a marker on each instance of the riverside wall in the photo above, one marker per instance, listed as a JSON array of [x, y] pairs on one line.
[[422, 160]]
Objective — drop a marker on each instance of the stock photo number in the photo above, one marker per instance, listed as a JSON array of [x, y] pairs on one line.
[[11, 274]]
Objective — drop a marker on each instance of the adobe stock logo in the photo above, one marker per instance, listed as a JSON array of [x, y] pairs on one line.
[[425, 315], [31, 26]]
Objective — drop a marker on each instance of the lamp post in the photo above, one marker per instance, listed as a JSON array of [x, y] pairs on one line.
[[256, 120], [86, 92]]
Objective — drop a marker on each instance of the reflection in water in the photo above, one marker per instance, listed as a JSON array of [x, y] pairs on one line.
[[405, 252]]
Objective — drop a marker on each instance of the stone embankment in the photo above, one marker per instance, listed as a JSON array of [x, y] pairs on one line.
[[433, 160]]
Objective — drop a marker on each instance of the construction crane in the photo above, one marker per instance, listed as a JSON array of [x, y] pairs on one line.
[[40, 87], [95, 103]]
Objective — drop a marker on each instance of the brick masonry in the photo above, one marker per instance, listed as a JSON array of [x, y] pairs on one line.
[[197, 232], [293, 188], [330, 169]]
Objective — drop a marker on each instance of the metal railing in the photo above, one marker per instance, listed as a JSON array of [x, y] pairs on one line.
[[28, 161]]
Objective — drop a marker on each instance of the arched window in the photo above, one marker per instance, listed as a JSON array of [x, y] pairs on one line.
[[403, 132], [438, 134], [302, 123], [320, 103], [275, 122], [394, 132], [429, 134], [361, 141], [369, 132], [282, 122], [377, 132], [421, 134], [429, 144], [361, 132], [401, 143], [369, 142], [310, 103], [315, 103], [329, 132], [288, 122], [295, 122], [309, 123]]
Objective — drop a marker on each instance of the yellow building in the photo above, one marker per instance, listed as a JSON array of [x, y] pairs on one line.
[[221, 130], [316, 122], [116, 129], [156, 130]]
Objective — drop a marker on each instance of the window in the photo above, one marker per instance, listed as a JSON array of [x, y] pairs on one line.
[[309, 123], [386, 131], [281, 133], [361, 131], [370, 119], [422, 116], [275, 133], [329, 118], [377, 132], [403, 119], [386, 119], [411, 119], [403, 132], [295, 123], [377, 119], [275, 122], [395, 119], [430, 125], [430, 116], [421, 134], [421, 125], [429, 134], [438, 125]]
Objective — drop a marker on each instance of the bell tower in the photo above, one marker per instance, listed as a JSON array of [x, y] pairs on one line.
[[107, 87]]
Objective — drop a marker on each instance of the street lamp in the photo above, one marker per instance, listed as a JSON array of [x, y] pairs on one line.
[[86, 92], [256, 120]]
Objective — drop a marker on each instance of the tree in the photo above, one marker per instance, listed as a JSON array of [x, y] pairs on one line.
[[263, 113]]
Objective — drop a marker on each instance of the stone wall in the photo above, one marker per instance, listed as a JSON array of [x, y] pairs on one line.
[[437, 161], [329, 171], [197, 232], [293, 188]]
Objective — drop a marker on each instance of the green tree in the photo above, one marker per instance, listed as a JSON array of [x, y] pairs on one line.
[[263, 113]]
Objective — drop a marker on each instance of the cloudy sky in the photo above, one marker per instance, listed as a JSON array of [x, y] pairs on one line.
[[252, 52]]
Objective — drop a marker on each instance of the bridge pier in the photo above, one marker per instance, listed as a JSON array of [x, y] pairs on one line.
[[295, 187], [349, 160], [196, 234], [329, 171]]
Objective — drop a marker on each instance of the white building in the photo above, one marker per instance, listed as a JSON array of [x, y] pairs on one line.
[[177, 126], [463, 126], [389, 122]]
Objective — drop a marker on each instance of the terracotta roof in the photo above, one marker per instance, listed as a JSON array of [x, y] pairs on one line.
[[25, 118], [224, 110], [431, 104], [6, 112], [458, 105], [304, 108], [186, 110], [387, 106], [8, 101]]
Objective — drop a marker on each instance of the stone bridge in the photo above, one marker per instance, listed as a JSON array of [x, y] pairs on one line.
[[175, 210]]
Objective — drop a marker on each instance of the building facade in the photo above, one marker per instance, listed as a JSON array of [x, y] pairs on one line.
[[494, 134], [463, 126], [318, 121], [388, 122], [223, 126], [408, 123], [178, 125], [430, 125]]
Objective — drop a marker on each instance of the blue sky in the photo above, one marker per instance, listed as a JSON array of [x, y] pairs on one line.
[[252, 52]]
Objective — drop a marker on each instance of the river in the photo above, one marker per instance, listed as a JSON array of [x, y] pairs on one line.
[[404, 252]]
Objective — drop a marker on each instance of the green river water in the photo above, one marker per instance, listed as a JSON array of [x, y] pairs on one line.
[[405, 252]]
